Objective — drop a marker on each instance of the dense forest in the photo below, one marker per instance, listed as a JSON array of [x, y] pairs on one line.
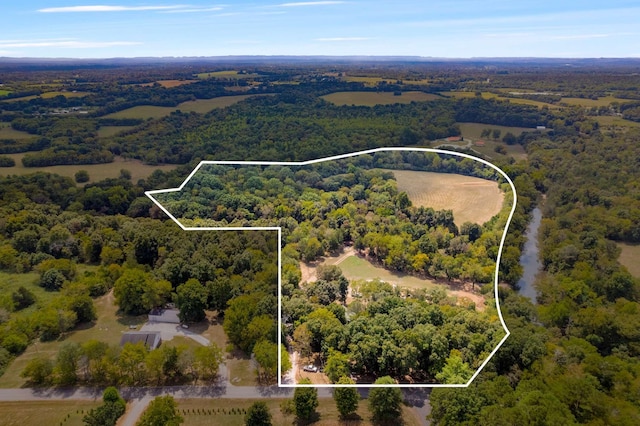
[[572, 358]]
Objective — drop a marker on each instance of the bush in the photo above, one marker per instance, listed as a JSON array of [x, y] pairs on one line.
[[6, 161], [82, 176]]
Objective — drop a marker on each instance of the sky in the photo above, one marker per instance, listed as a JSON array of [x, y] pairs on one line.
[[428, 28]]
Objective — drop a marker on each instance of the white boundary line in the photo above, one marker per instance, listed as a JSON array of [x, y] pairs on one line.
[[150, 194]]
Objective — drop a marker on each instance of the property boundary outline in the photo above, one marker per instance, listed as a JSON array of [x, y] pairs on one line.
[[278, 229]]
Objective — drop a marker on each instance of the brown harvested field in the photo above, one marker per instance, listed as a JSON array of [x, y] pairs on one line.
[[471, 199], [97, 172], [629, 257], [229, 412], [37, 413], [377, 98], [6, 132], [174, 83]]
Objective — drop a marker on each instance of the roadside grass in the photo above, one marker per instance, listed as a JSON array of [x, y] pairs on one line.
[[97, 172], [240, 369], [629, 257], [377, 98], [6, 132], [196, 413], [37, 413], [107, 131], [470, 198]]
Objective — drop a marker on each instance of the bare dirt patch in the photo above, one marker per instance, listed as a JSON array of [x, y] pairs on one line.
[[470, 198]]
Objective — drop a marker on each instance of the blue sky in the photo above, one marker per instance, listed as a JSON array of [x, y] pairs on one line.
[[437, 28]]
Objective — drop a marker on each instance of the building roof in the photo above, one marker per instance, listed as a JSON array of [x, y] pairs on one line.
[[151, 339]]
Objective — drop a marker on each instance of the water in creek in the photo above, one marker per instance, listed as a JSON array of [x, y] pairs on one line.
[[530, 259]]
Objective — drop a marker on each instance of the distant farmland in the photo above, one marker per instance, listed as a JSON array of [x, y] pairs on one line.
[[6, 132], [377, 98], [200, 106], [471, 199]]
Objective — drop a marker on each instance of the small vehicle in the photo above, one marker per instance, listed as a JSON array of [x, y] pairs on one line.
[[184, 326], [310, 368]]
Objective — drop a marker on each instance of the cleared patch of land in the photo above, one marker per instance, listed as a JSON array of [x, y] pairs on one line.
[[174, 83], [97, 172], [228, 74], [229, 412], [603, 101], [37, 413], [74, 94], [377, 98], [608, 120], [200, 106], [489, 95], [471, 199], [7, 132], [474, 130], [106, 131], [629, 257], [142, 111]]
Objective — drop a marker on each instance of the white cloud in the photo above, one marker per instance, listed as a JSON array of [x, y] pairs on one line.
[[310, 3], [103, 8], [194, 10], [342, 39], [68, 44]]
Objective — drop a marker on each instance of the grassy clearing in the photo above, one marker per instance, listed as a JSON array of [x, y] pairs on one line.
[[174, 83], [603, 101], [474, 130], [142, 111], [377, 98], [4, 92], [203, 106], [107, 131], [329, 416], [75, 94], [471, 199], [97, 172], [6, 132], [629, 257], [241, 370], [611, 121], [37, 413], [357, 268], [489, 95], [229, 74], [515, 151]]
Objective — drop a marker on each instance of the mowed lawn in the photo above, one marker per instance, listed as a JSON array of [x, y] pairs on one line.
[[43, 413], [97, 172], [470, 198], [357, 268], [230, 412], [377, 98], [629, 257]]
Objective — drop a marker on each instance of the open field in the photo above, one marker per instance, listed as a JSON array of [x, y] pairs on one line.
[[97, 172], [515, 151], [174, 83], [377, 98], [107, 131], [6, 132], [603, 101], [629, 257], [329, 416], [74, 94], [200, 106], [4, 92], [142, 111], [203, 106], [474, 130], [608, 120], [37, 413], [489, 95], [471, 199], [229, 74]]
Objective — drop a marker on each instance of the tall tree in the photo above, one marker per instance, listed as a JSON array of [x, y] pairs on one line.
[[305, 400], [161, 411], [258, 414], [191, 300], [346, 398], [385, 403]]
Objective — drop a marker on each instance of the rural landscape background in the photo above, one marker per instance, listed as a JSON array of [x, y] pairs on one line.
[[391, 267]]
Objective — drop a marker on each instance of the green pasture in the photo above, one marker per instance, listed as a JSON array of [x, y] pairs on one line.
[[7, 132], [38, 413], [377, 98]]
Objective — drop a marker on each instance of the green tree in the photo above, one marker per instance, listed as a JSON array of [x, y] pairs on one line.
[[82, 176], [385, 402], [258, 414], [346, 398], [305, 400], [161, 411], [337, 365], [38, 371], [109, 412], [52, 279], [67, 363], [136, 292], [191, 300], [266, 354], [207, 360], [455, 370]]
